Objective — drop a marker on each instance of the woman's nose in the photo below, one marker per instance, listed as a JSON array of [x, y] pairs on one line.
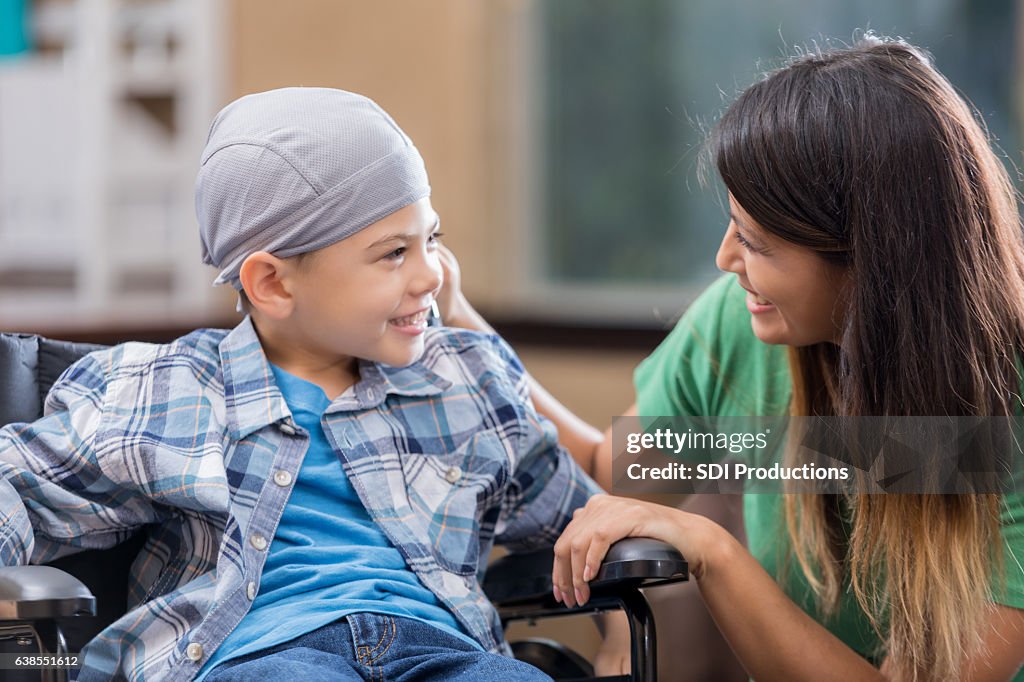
[[729, 258]]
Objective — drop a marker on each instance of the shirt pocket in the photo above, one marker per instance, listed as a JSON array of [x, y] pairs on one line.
[[450, 495]]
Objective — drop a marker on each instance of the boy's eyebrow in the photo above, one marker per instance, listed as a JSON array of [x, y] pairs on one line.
[[403, 237]]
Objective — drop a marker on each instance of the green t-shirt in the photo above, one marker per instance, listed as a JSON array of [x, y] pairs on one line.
[[712, 364]]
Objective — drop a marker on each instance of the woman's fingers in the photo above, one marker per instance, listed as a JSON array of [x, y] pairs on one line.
[[561, 572], [592, 563], [449, 263], [565, 553], [603, 532], [578, 550], [582, 547], [607, 519], [452, 285]]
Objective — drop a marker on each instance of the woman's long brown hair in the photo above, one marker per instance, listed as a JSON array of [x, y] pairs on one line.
[[869, 157]]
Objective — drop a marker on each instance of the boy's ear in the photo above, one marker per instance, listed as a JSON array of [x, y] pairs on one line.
[[264, 279]]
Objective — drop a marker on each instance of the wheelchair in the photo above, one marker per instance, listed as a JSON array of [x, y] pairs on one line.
[[58, 608]]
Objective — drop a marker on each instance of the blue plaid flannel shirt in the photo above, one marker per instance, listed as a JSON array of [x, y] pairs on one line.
[[194, 441]]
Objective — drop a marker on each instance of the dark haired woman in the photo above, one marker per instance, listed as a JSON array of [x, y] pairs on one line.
[[879, 270]]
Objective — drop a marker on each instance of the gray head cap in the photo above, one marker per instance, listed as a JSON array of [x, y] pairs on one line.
[[297, 169]]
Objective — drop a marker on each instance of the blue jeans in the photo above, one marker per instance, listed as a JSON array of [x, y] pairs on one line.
[[367, 647]]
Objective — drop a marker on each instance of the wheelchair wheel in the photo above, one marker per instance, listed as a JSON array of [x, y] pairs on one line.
[[549, 656]]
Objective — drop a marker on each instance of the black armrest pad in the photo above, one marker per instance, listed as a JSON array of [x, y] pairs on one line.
[[637, 561], [41, 592], [641, 559]]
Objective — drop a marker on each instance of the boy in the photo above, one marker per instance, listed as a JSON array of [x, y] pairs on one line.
[[326, 480]]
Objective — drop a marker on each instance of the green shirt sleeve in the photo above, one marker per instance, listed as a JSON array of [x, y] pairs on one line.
[[1012, 532], [712, 364]]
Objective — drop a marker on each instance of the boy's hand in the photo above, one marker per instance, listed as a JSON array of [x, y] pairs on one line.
[[613, 655], [456, 311]]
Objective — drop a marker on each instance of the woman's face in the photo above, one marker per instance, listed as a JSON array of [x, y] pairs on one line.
[[794, 296]]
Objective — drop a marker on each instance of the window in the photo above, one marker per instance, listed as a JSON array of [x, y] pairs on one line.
[[618, 97]]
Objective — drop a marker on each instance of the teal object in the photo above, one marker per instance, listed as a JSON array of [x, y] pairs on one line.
[[14, 33]]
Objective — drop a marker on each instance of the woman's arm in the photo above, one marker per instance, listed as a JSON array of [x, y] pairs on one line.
[[1003, 636], [775, 639], [591, 449], [772, 637], [587, 445]]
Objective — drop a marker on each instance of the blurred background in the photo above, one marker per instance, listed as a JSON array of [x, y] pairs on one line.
[[561, 136]]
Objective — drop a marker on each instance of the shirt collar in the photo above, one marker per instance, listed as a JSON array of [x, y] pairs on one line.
[[254, 401], [377, 381], [252, 398]]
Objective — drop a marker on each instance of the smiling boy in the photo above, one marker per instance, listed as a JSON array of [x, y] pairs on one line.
[[322, 485], [367, 296]]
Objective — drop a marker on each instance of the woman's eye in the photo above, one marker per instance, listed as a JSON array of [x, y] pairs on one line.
[[743, 242]]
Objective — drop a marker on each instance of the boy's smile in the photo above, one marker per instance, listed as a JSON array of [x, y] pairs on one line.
[[413, 324]]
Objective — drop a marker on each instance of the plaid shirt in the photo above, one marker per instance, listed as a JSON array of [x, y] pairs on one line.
[[194, 440]]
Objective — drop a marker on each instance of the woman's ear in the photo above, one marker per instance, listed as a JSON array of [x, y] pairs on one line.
[[264, 279]]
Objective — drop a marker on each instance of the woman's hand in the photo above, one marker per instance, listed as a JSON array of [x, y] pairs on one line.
[[456, 311], [605, 520], [451, 290]]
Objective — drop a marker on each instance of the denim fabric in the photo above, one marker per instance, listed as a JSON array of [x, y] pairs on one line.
[[367, 647]]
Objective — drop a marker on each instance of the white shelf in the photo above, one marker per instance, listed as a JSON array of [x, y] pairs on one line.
[[54, 312], [91, 181]]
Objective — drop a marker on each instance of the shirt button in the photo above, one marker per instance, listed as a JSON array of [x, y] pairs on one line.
[[258, 541], [250, 590], [286, 428], [453, 474], [369, 394], [282, 477], [194, 651]]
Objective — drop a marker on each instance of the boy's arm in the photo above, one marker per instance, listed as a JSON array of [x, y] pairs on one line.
[[54, 494], [547, 485], [16, 539], [589, 447]]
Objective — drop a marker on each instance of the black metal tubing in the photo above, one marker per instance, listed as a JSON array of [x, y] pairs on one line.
[[49, 639], [631, 601]]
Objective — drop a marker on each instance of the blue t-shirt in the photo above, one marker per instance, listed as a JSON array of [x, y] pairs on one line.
[[328, 558]]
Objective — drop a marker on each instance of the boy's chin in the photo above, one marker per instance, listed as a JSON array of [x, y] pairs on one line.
[[404, 358]]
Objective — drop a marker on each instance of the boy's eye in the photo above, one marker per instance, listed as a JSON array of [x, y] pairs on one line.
[[397, 253], [436, 237]]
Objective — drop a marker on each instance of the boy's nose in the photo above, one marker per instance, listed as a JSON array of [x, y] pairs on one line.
[[431, 276]]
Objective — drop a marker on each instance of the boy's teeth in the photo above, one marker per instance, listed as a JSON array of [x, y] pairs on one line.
[[410, 319], [761, 301]]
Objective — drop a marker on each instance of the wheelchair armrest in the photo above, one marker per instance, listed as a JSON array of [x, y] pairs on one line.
[[41, 593], [642, 561], [636, 562]]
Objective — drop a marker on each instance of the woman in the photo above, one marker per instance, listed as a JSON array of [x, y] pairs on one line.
[[879, 270]]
